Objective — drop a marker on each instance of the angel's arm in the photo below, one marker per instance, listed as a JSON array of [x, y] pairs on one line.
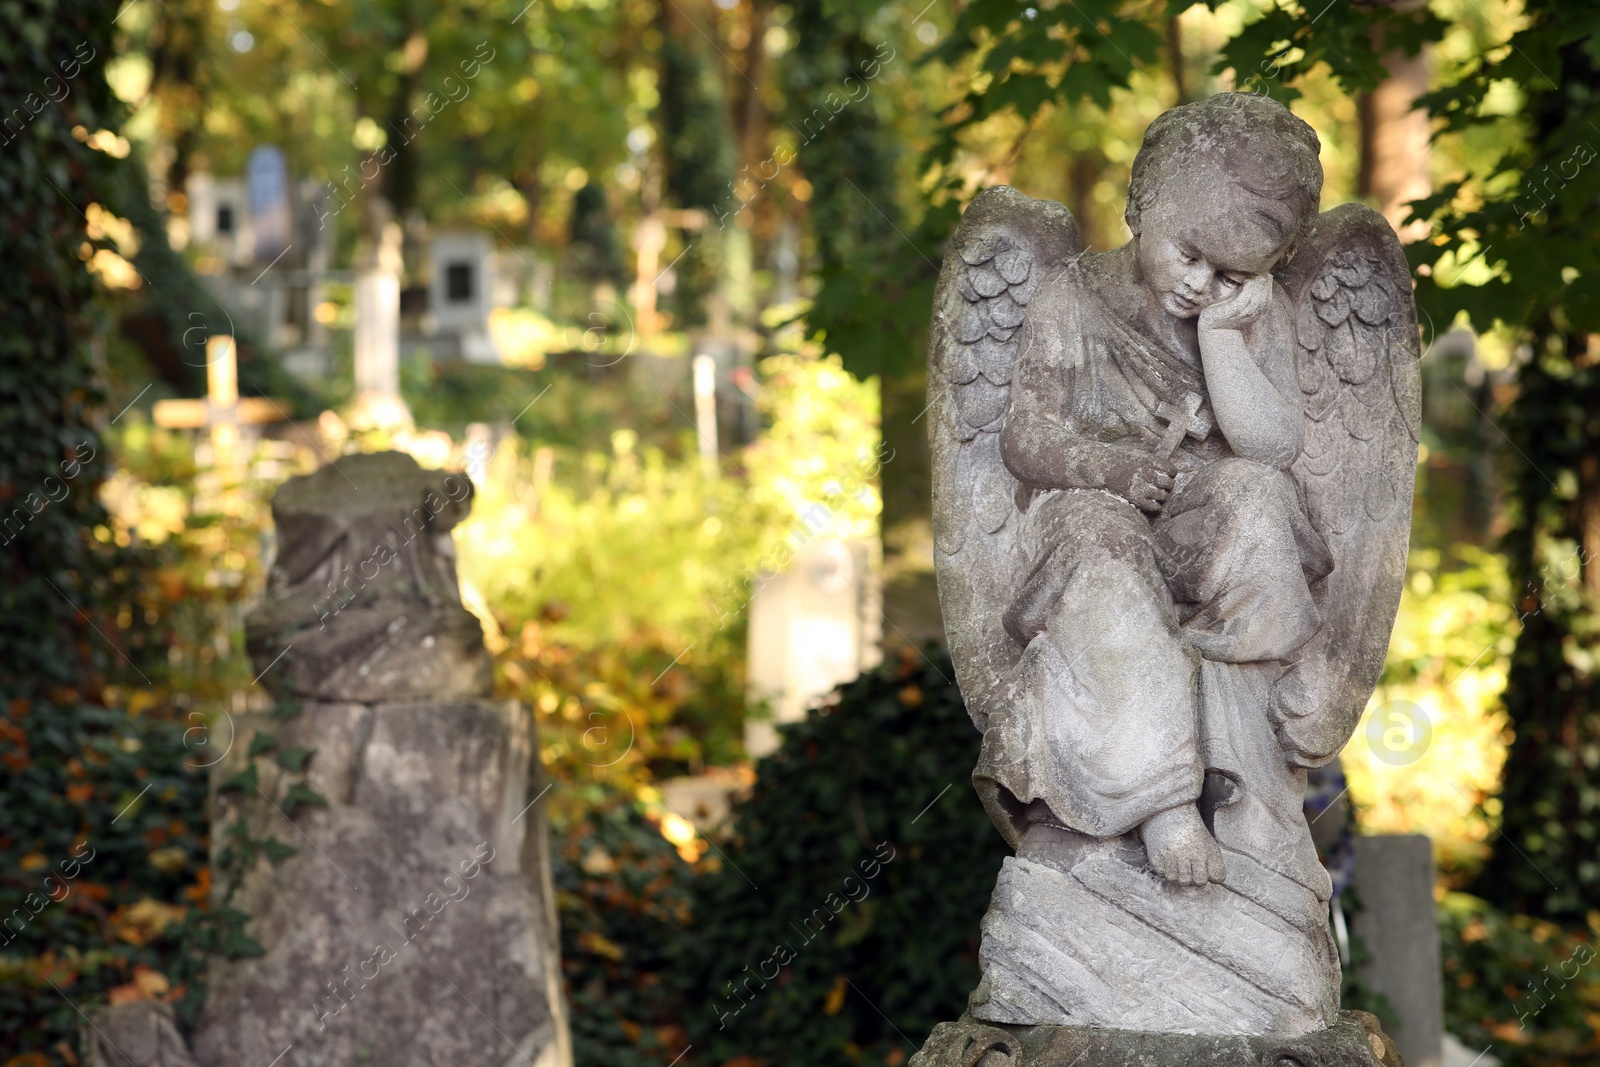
[[1249, 367], [1043, 453]]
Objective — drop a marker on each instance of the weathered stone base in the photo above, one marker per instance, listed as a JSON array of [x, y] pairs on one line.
[[413, 925], [1356, 1040]]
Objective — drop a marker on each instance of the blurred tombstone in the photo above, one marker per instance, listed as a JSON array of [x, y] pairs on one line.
[[1399, 926], [812, 626], [219, 216], [267, 181], [705, 412], [377, 299], [405, 914], [461, 294], [223, 411]]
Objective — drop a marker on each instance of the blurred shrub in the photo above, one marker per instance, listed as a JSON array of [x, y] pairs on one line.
[[1448, 656], [124, 774], [844, 922], [614, 583], [623, 897], [1523, 986]]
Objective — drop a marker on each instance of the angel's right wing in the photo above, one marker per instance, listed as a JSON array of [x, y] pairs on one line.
[[1005, 245], [1357, 331]]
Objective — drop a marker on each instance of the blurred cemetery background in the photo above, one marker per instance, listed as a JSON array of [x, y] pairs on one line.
[[656, 275]]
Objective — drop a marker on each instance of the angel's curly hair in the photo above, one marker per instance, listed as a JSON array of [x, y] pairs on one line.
[[1257, 142]]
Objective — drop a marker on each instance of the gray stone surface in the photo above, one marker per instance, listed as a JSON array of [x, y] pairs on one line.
[[414, 925], [1353, 1040], [362, 602], [141, 1034], [414, 922], [1172, 487], [1398, 924]]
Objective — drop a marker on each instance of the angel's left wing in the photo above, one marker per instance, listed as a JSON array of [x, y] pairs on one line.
[[1005, 246], [1356, 324]]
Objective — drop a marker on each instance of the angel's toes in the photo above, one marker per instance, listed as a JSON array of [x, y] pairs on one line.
[[1180, 847]]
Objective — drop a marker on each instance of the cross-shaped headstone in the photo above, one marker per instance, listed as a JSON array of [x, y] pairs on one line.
[[223, 411], [1181, 420]]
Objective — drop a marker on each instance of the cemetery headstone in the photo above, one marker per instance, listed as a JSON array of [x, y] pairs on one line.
[[377, 331], [812, 627], [1172, 501], [267, 180], [461, 292], [1398, 924], [382, 831], [223, 411]]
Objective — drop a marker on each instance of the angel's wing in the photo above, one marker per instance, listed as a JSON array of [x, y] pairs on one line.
[[1001, 251], [1357, 328]]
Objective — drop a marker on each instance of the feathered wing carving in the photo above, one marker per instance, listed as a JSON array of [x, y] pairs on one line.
[[1000, 253], [1356, 323]]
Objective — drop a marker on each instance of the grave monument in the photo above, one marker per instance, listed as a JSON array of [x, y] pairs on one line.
[[380, 834], [1172, 500]]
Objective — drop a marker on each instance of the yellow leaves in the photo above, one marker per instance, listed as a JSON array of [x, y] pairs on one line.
[[835, 998], [169, 860], [144, 921], [1449, 656], [105, 226], [113, 271], [33, 861], [599, 945], [681, 833], [597, 862], [147, 984]]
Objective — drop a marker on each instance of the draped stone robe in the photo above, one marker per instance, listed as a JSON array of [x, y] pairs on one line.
[[1150, 648]]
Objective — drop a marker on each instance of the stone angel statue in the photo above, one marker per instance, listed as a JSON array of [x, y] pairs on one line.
[[1172, 500]]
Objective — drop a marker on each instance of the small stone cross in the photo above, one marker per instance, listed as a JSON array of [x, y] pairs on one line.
[[1184, 419], [223, 410]]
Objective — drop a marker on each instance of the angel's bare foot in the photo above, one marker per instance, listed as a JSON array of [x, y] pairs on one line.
[[1180, 847]]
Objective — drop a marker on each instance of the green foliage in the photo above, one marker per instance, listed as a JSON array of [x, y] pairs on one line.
[[1529, 219], [597, 247], [697, 147], [875, 291], [1273, 54], [100, 819], [1523, 986], [1027, 59], [865, 854], [623, 898]]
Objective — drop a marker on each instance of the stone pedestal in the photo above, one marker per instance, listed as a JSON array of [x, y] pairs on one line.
[[414, 923], [381, 832], [1355, 1040]]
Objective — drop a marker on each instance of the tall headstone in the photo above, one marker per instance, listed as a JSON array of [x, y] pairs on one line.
[[1399, 925], [461, 292], [812, 627], [383, 830], [377, 332], [267, 181], [219, 217]]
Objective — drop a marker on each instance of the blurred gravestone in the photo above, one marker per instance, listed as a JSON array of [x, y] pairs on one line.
[[813, 626], [1399, 927], [267, 179], [461, 294], [414, 921], [377, 299]]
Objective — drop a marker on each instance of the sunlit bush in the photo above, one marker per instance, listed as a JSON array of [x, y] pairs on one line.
[[1427, 757]]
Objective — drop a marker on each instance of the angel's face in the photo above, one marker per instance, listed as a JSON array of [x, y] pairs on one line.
[[1199, 245]]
